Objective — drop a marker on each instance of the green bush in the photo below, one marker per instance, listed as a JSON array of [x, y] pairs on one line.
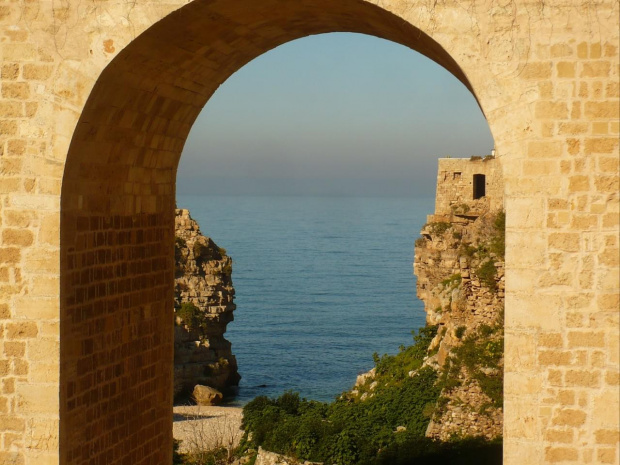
[[481, 353], [453, 281], [439, 227], [467, 249], [190, 314], [498, 241], [199, 250], [460, 331], [350, 431], [486, 273]]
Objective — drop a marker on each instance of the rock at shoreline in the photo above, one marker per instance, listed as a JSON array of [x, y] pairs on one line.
[[205, 395], [204, 305]]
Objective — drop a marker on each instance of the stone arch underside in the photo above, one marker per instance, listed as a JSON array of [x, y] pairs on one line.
[[117, 204]]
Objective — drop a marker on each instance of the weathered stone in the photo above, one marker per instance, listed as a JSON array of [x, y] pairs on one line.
[[205, 395], [453, 294], [202, 278], [128, 80]]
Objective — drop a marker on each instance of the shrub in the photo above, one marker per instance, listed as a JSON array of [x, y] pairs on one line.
[[498, 241], [453, 281], [467, 249], [199, 249], [350, 431], [439, 228], [486, 273], [481, 356], [460, 331], [190, 314], [461, 209]]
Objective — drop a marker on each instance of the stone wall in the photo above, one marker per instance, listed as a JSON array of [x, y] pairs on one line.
[[96, 101], [203, 278], [455, 185]]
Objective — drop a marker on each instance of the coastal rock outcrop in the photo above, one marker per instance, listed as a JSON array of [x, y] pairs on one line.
[[204, 305], [459, 264]]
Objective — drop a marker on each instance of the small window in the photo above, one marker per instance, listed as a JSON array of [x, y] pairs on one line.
[[456, 175], [479, 186]]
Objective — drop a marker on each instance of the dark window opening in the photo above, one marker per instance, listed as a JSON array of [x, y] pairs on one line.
[[456, 175], [479, 186]]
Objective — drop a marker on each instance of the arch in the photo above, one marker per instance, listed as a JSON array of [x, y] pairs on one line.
[[117, 204]]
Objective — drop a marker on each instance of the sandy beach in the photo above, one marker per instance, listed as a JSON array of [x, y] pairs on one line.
[[206, 427]]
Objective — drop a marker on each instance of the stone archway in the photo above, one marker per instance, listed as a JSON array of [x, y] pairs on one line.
[[96, 99], [118, 201]]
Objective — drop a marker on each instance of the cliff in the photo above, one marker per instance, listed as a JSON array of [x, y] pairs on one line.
[[204, 306], [459, 263]]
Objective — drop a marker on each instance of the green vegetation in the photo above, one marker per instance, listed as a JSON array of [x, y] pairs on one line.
[[467, 249], [439, 227], [350, 430], [481, 354], [192, 317], [199, 249], [498, 241], [460, 209], [453, 281], [487, 272]]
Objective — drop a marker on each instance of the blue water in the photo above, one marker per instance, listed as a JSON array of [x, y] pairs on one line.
[[321, 284]]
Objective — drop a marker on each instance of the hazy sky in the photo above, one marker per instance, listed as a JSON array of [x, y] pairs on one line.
[[333, 114]]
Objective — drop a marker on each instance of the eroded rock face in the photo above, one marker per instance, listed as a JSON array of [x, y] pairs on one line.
[[460, 269], [204, 305]]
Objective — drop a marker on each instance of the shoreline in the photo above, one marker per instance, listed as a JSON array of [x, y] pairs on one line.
[[201, 427]]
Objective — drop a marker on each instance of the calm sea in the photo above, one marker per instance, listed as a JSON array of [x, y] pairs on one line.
[[321, 284]]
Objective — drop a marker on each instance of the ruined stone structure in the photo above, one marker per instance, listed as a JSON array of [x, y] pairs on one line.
[[96, 101], [460, 270], [469, 186], [203, 279]]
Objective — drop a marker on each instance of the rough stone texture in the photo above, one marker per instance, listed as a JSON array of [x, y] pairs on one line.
[[202, 277], [455, 190], [265, 457], [456, 299], [96, 101], [206, 395]]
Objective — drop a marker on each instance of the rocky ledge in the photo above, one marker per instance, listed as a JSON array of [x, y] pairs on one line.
[[203, 305], [460, 269]]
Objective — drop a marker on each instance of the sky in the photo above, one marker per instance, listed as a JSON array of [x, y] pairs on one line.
[[334, 114]]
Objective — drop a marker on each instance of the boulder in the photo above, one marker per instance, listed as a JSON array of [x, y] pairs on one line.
[[205, 395]]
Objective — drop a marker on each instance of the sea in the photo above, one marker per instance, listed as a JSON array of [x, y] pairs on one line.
[[321, 284]]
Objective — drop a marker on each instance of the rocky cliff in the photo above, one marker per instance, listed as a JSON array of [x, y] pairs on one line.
[[204, 306], [460, 269]]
